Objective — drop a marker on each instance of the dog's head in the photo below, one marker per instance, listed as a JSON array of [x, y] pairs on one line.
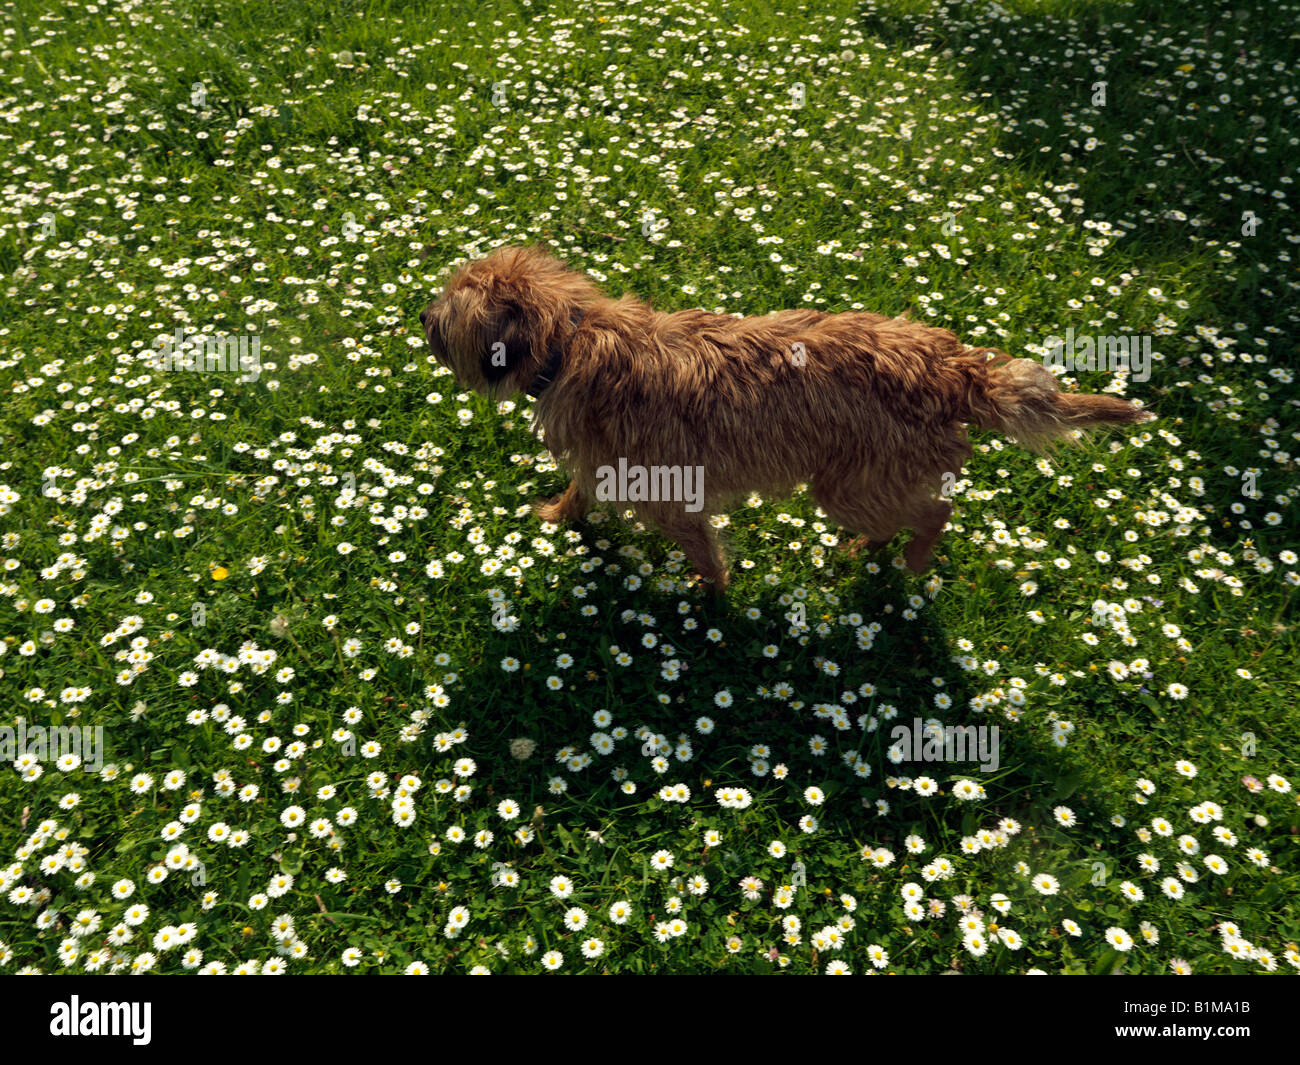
[[500, 319]]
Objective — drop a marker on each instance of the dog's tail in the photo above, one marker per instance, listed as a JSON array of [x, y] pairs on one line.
[[1020, 397]]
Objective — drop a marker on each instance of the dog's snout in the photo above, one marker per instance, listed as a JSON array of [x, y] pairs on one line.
[[423, 316]]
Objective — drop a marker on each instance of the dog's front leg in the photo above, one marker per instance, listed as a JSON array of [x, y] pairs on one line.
[[696, 537], [570, 506]]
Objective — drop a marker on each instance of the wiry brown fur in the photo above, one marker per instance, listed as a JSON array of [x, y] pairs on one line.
[[871, 411]]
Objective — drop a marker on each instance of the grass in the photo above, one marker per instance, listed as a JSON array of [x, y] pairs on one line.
[[339, 555]]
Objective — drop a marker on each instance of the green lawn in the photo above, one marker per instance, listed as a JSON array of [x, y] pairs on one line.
[[361, 712]]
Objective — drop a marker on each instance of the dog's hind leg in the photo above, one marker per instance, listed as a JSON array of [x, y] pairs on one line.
[[856, 508], [928, 518], [570, 506], [925, 513]]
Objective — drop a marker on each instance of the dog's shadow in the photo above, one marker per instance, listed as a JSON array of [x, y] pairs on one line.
[[736, 661]]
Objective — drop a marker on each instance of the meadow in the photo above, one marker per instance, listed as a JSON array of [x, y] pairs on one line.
[[292, 679]]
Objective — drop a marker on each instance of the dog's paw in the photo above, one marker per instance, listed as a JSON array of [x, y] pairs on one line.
[[918, 555], [715, 584], [860, 545], [553, 510]]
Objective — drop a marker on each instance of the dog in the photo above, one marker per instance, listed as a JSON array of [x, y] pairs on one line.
[[870, 411]]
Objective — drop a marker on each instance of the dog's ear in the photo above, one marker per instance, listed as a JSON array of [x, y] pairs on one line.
[[510, 344]]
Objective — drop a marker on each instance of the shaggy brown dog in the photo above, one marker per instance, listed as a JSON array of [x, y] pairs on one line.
[[869, 410]]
